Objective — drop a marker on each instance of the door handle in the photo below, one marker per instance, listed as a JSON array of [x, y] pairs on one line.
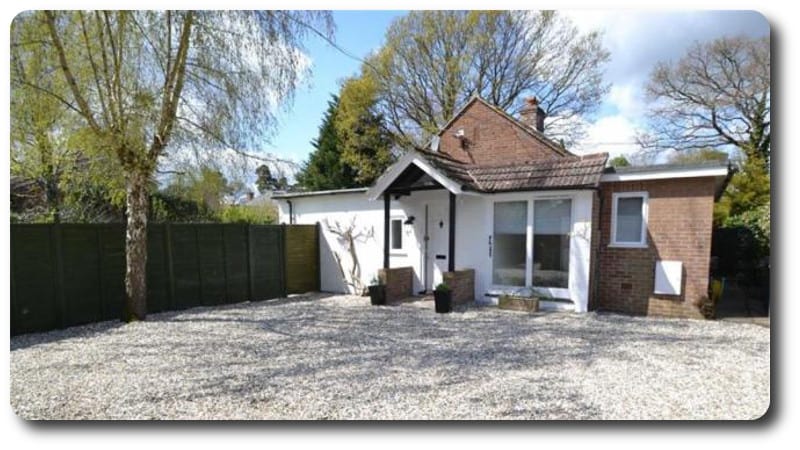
[[490, 246]]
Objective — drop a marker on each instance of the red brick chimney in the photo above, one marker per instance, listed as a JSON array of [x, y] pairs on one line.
[[532, 114]]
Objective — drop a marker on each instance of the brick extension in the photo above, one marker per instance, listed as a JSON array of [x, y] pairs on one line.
[[462, 283], [680, 214], [398, 282]]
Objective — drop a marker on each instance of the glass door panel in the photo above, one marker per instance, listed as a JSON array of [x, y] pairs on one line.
[[509, 246], [551, 226]]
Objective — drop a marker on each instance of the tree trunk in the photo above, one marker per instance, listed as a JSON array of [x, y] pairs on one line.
[[136, 247]]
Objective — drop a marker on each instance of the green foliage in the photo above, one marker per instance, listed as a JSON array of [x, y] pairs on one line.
[[442, 287], [325, 169], [205, 186], [749, 188], [757, 221], [696, 156], [619, 161], [365, 142], [265, 181], [255, 214]]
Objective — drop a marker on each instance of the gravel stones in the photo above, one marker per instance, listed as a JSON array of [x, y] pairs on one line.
[[338, 357]]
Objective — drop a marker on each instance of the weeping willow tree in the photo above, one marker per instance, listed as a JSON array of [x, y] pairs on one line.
[[145, 83]]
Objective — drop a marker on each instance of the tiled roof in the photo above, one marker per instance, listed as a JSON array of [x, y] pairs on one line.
[[560, 173]]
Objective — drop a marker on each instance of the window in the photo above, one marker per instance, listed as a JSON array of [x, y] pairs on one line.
[[397, 234], [508, 261], [629, 219], [552, 221]]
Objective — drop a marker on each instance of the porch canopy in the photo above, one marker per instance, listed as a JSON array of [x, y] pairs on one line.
[[413, 172], [421, 169]]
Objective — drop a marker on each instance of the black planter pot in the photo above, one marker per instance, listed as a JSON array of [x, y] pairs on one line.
[[377, 294], [443, 300]]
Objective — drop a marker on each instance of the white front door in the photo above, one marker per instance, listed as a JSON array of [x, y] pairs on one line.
[[435, 254]]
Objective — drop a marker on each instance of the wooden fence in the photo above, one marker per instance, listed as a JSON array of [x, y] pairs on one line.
[[71, 274]]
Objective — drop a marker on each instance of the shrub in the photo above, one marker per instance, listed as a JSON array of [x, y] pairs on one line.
[[442, 287], [261, 214], [757, 221]]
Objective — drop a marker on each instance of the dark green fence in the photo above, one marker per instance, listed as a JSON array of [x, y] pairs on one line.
[[71, 274]]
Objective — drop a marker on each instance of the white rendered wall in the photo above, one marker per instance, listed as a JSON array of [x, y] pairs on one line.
[[472, 240], [475, 224], [345, 210]]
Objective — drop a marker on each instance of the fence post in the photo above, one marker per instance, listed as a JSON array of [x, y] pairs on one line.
[[170, 267], [55, 236], [197, 261], [15, 320], [251, 278], [284, 260], [318, 239], [100, 265], [227, 298]]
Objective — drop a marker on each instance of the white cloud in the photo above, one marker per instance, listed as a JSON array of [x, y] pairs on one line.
[[614, 134], [637, 40]]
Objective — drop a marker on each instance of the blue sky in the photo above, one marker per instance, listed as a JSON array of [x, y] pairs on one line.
[[358, 32], [636, 40]]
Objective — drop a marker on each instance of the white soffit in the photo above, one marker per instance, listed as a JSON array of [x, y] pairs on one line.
[[664, 174]]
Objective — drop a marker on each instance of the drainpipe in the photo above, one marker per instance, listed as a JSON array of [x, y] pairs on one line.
[[291, 212]]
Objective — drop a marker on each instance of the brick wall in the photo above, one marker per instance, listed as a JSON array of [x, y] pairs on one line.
[[679, 228], [491, 139], [398, 282], [462, 284], [594, 251]]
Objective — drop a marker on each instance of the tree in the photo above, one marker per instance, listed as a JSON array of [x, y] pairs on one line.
[[142, 82], [696, 156], [619, 161], [365, 141], [434, 61], [265, 181], [717, 95], [325, 168]]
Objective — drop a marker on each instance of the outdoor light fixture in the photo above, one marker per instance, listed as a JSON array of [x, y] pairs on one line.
[[409, 221]]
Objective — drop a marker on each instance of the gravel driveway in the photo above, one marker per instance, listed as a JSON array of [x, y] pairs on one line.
[[337, 357]]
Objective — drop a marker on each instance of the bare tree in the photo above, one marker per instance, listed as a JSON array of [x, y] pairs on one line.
[[716, 95], [434, 61], [349, 234]]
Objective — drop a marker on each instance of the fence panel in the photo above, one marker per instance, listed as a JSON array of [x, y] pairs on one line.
[[236, 268], [34, 305], [81, 266], [266, 262], [111, 243], [71, 274], [302, 258]]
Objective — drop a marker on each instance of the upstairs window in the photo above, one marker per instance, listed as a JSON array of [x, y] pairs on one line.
[[629, 219]]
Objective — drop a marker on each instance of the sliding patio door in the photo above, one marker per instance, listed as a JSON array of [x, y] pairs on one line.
[[509, 243], [552, 220], [531, 245]]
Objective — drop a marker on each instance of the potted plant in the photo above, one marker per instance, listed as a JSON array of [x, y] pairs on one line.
[[443, 298], [377, 292]]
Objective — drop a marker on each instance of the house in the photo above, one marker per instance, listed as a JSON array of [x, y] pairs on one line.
[[494, 206]]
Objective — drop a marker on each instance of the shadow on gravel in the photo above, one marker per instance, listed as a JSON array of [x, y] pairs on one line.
[[81, 331], [345, 357]]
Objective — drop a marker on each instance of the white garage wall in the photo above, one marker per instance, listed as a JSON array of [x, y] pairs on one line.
[[344, 211]]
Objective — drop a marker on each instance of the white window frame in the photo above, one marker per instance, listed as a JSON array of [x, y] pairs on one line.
[[642, 243], [402, 250], [531, 197]]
